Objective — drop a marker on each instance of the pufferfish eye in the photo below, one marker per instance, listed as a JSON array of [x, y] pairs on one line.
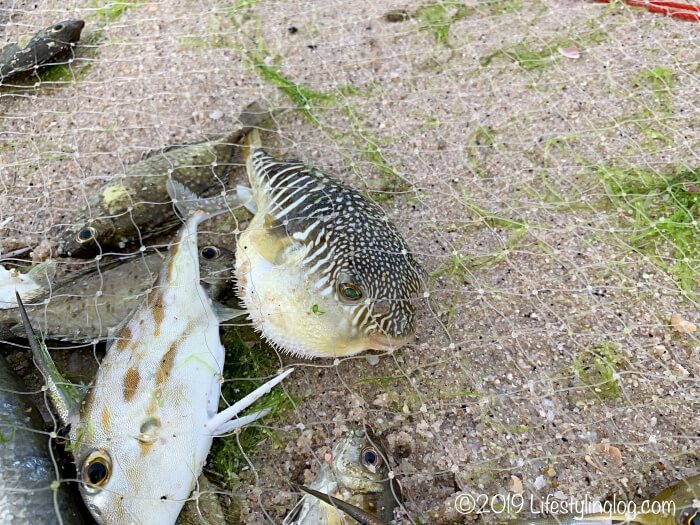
[[87, 235], [210, 252], [350, 292], [97, 469], [57, 28], [370, 458]]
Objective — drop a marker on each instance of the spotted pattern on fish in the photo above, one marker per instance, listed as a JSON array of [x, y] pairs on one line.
[[345, 235], [105, 419], [166, 364], [131, 383], [124, 338], [155, 302]]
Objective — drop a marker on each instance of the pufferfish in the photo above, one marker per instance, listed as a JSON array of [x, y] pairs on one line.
[[321, 269]]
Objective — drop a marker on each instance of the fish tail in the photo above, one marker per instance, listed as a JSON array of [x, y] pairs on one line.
[[65, 397], [251, 142], [253, 117], [43, 274], [187, 203]]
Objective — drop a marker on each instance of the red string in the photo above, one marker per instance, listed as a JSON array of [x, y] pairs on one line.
[[663, 7]]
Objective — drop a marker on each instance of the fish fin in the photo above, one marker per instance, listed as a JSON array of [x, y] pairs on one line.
[[606, 518], [255, 115], [65, 396], [245, 195], [33, 284], [274, 243], [242, 421], [360, 515], [224, 313], [187, 202], [43, 273], [251, 141], [222, 422]]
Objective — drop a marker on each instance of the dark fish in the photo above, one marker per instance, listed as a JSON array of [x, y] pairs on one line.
[[27, 470], [135, 205], [32, 283], [86, 306], [44, 48]]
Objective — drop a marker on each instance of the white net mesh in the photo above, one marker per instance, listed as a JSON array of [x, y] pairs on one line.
[[541, 160]]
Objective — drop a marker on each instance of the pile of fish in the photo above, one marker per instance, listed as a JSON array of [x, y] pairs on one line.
[[320, 271]]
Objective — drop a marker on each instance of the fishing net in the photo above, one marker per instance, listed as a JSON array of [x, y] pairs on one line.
[[542, 160]]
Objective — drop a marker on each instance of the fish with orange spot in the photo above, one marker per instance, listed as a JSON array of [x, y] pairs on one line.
[[161, 395]]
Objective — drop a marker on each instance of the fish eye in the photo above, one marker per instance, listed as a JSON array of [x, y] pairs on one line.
[[97, 469], [86, 235], [350, 292], [210, 252], [692, 519], [370, 458], [57, 28]]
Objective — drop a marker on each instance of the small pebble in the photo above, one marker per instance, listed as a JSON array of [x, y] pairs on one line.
[[216, 114], [540, 483], [397, 15], [570, 52], [681, 325], [373, 360]]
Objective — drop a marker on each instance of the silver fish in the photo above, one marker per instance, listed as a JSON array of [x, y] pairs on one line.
[[88, 305], [357, 475], [321, 269], [29, 488], [141, 433]]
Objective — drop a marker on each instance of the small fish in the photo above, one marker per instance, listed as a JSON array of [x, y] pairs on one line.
[[87, 306], [678, 504], [134, 205], [141, 433], [206, 509], [31, 284], [321, 269], [357, 475], [45, 47], [28, 476]]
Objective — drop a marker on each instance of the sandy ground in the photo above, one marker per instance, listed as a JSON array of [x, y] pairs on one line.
[[489, 398]]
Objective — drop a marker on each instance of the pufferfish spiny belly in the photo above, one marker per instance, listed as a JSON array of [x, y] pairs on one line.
[[321, 269]]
